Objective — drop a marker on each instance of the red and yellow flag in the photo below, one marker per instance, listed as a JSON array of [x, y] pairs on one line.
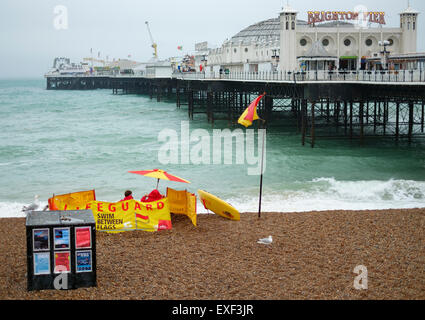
[[250, 114]]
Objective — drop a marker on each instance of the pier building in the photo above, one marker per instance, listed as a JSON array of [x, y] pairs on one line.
[[346, 40]]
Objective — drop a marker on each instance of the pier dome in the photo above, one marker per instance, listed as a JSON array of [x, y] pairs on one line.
[[268, 30], [262, 31]]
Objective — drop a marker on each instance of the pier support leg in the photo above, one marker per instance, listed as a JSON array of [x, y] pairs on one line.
[[411, 110], [367, 112], [178, 96], [312, 133], [374, 117], [327, 111], [190, 104], [345, 117], [209, 105], [397, 121], [303, 120], [336, 114], [361, 118], [268, 106], [297, 113], [385, 117], [351, 119]]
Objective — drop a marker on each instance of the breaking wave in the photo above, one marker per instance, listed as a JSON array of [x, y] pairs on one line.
[[330, 194]]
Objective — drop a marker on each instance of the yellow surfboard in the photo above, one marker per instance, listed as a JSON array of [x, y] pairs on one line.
[[218, 206]]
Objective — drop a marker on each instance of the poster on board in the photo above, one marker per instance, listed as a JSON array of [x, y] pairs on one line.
[[62, 262], [83, 261], [42, 263], [62, 238], [82, 237], [40, 239]]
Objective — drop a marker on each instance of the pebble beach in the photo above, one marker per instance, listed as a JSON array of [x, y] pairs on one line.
[[313, 256]]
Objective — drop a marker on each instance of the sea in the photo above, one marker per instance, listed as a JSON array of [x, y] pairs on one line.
[[57, 142]]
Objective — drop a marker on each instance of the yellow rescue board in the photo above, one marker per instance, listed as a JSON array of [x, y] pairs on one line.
[[218, 206]]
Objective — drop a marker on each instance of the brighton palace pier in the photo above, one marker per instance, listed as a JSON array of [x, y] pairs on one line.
[[337, 74]]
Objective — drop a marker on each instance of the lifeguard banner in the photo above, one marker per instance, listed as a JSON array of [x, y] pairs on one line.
[[71, 201], [131, 215]]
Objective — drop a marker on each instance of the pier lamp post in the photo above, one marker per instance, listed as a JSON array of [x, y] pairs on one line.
[[384, 53]]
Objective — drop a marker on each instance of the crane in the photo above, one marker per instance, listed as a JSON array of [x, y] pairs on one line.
[[154, 45]]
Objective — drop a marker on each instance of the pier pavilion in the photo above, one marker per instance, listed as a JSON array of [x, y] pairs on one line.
[[278, 43]]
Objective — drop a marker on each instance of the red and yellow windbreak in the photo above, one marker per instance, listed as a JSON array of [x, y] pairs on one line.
[[72, 201], [117, 216], [250, 114], [182, 202]]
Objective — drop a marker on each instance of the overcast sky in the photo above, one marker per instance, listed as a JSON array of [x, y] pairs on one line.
[[29, 40]]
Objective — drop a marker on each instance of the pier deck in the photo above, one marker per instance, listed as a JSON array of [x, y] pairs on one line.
[[353, 105]]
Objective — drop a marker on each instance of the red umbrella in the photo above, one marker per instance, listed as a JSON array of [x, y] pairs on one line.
[[160, 174]]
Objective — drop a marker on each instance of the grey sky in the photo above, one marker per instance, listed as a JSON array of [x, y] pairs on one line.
[[29, 42]]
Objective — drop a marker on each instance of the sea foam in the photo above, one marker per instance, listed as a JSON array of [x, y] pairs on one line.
[[317, 195], [330, 194]]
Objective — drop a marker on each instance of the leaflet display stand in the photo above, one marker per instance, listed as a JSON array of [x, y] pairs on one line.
[[61, 250]]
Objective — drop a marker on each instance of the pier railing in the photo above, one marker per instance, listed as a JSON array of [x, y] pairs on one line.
[[289, 76], [392, 76]]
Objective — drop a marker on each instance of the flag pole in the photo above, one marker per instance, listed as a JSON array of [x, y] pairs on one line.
[[261, 175], [246, 119]]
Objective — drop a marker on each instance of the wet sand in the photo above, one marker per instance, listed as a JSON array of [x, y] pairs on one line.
[[312, 256]]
